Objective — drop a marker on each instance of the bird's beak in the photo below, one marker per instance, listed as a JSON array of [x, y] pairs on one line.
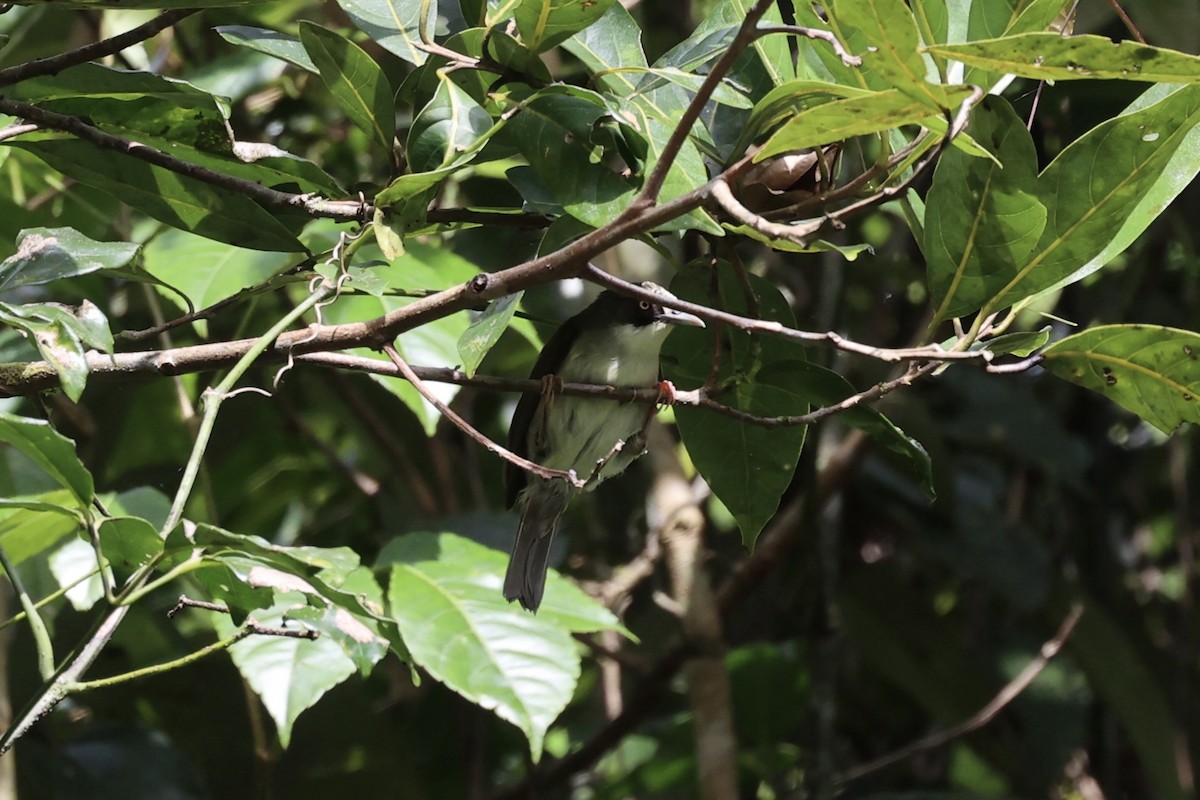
[[674, 317]]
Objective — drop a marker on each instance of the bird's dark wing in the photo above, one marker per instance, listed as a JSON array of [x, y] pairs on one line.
[[553, 354]]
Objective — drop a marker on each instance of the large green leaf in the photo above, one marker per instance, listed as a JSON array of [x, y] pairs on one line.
[[546, 23], [747, 466], [1150, 370], [1094, 187], [289, 674], [448, 130], [1049, 56], [133, 87], [892, 51], [51, 451], [32, 525], [398, 26], [1176, 176], [356, 82], [982, 219], [177, 200], [859, 115], [569, 137], [445, 593], [49, 254]]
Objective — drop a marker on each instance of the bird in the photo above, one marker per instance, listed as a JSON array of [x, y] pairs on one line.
[[614, 341]]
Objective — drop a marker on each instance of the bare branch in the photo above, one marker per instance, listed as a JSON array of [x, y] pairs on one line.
[[1011, 691], [52, 65]]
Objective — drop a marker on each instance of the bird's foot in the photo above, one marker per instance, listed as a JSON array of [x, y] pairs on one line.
[[666, 394]]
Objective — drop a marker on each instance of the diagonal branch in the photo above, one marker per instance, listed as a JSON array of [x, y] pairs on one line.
[[466, 427], [52, 65], [683, 128], [1003, 698]]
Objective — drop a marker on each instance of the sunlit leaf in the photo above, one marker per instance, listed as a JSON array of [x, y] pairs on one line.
[[1150, 370]]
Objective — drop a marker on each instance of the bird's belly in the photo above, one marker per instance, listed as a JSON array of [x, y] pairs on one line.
[[579, 432]]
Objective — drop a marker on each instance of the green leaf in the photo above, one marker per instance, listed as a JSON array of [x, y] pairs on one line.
[[449, 130], [1093, 188], [1022, 343], [63, 336], [356, 82], [482, 334], [568, 136], [398, 26], [30, 526], [546, 23], [892, 53], [445, 593], [747, 466], [859, 115], [129, 542], [818, 386], [612, 42], [1176, 176], [206, 271], [290, 675], [49, 254], [1049, 56], [981, 219], [1150, 370], [272, 43], [177, 200], [134, 88], [52, 452], [355, 635]]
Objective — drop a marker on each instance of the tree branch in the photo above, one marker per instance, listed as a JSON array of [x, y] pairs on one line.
[[1006, 695], [52, 65], [310, 204], [683, 128]]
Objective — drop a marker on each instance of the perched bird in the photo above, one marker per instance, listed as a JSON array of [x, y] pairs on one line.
[[614, 341]]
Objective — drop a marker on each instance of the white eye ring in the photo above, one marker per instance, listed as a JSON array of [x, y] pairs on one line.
[[644, 305]]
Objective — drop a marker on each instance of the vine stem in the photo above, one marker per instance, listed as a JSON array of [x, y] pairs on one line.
[[67, 680]]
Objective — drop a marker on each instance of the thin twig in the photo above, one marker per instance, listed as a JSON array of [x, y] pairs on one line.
[[927, 353], [466, 427], [250, 628], [313, 205], [817, 34], [52, 65], [16, 130], [1003, 698], [1129, 26], [187, 602]]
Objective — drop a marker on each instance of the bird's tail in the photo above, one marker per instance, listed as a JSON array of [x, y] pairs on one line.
[[541, 509]]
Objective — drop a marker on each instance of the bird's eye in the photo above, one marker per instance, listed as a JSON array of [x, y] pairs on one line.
[[644, 305]]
